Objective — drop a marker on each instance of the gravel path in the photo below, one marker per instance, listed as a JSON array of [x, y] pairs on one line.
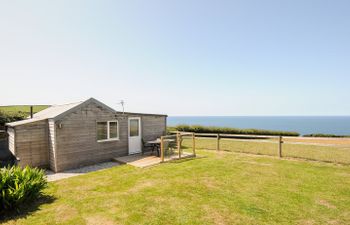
[[51, 176]]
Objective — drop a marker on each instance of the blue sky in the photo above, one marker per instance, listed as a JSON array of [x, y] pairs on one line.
[[179, 57]]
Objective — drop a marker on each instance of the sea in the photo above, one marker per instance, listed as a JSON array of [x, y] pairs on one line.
[[339, 125]]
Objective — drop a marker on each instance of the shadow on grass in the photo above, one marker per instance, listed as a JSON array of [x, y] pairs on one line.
[[26, 209]]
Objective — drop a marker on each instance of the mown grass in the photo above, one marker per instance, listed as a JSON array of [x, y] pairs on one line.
[[22, 108], [325, 153], [218, 188]]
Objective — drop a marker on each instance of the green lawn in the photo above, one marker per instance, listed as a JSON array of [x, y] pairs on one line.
[[216, 188], [22, 108], [331, 153]]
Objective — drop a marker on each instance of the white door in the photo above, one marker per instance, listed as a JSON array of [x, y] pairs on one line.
[[135, 142]]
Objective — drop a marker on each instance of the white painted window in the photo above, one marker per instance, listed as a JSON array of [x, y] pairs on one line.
[[107, 131]]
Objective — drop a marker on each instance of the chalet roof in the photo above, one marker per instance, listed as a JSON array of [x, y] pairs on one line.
[[57, 112], [48, 113]]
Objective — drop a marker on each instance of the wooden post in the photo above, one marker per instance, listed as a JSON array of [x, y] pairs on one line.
[[178, 136], [31, 111], [218, 142], [280, 142], [194, 144], [162, 148]]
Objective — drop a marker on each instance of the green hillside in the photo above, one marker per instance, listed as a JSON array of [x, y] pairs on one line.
[[22, 108], [12, 113]]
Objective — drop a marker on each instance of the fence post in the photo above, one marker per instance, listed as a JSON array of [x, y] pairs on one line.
[[178, 136], [280, 142], [194, 144], [162, 148], [31, 111], [218, 142]]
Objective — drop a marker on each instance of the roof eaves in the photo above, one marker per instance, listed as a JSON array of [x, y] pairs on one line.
[[145, 114], [24, 122]]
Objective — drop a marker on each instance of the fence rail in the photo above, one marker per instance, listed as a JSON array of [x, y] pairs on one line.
[[228, 135]]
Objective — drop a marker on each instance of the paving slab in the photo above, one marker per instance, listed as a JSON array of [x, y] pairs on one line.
[[52, 176]]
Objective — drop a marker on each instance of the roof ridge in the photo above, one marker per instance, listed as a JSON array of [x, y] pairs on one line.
[[68, 103]]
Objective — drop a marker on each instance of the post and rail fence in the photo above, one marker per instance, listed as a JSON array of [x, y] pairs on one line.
[[218, 138], [171, 146], [185, 144]]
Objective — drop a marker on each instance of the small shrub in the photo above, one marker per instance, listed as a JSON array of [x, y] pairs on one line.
[[228, 130], [19, 185]]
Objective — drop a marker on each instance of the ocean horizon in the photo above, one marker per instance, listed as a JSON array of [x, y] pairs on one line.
[[338, 125]]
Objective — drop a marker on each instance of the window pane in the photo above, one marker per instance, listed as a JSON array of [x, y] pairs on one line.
[[113, 129], [134, 127], [101, 130]]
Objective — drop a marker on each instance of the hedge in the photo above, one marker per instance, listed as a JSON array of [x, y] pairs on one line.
[[8, 117], [326, 135], [228, 130]]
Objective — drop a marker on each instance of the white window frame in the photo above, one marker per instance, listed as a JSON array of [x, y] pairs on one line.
[[108, 131]]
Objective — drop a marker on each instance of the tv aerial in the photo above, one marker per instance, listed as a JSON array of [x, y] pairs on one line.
[[122, 103]]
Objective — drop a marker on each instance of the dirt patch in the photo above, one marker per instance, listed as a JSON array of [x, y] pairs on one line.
[[65, 213], [326, 204], [98, 220], [344, 174], [306, 222], [333, 222], [258, 163], [321, 141], [142, 185], [215, 216], [220, 154], [210, 183]]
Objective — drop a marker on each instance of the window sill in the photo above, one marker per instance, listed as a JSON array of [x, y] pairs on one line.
[[108, 140]]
